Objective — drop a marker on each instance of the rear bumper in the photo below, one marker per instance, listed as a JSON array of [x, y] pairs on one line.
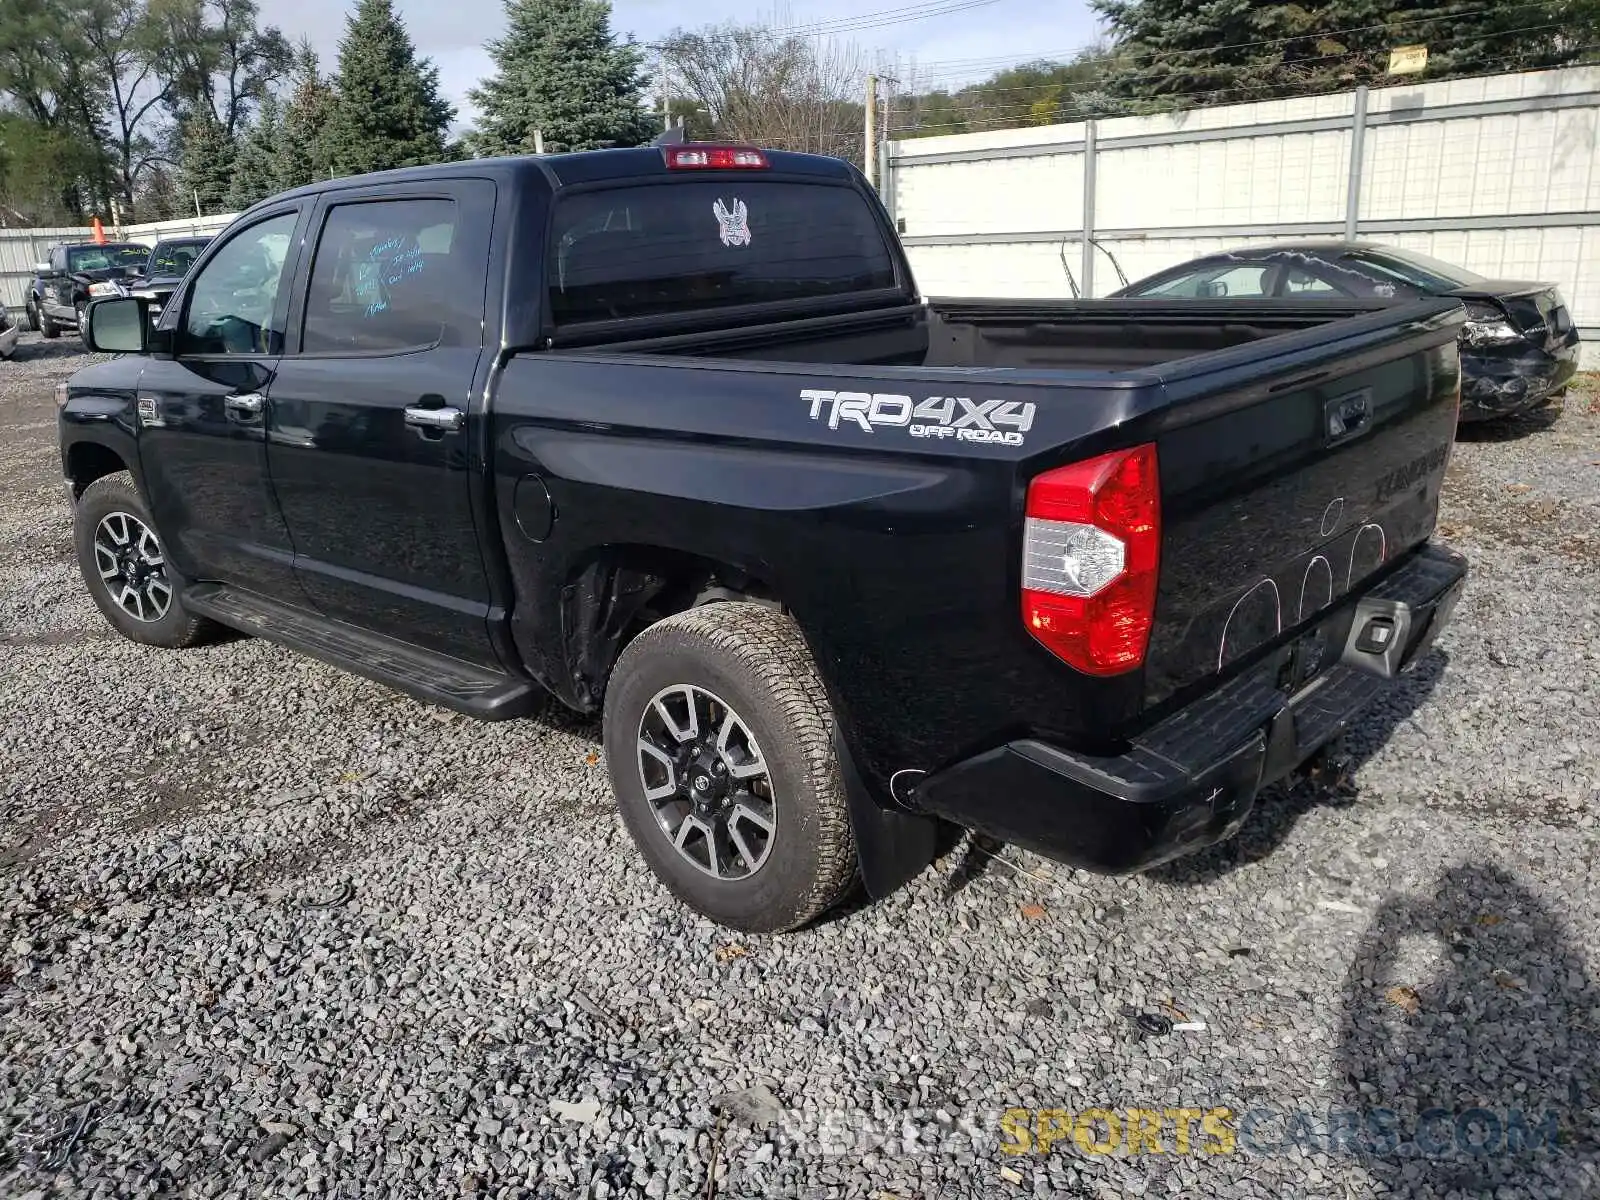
[[1192, 779], [1500, 384]]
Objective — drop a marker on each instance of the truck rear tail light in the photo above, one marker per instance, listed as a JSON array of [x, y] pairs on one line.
[[714, 158], [1090, 559]]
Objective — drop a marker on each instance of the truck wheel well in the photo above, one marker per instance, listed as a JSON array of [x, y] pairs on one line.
[[88, 461], [625, 590]]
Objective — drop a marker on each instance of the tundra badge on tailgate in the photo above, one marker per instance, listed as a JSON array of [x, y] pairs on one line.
[[936, 417]]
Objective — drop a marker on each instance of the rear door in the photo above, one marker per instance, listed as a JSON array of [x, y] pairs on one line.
[[202, 436], [371, 413]]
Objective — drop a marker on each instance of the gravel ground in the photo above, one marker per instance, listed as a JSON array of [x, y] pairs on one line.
[[269, 930]]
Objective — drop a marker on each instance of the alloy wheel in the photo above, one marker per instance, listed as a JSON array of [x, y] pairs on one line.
[[132, 567], [708, 782]]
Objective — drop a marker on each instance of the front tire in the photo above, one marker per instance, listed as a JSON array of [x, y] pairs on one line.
[[81, 309], [47, 326], [124, 567], [719, 741]]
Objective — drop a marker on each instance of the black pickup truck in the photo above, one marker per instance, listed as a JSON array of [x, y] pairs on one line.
[[73, 275], [670, 435]]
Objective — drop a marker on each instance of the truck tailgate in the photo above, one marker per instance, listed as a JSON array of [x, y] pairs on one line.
[[1282, 496]]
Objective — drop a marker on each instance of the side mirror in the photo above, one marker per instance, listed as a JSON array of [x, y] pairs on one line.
[[118, 325], [43, 268]]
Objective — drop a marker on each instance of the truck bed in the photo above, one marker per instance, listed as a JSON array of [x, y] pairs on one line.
[[853, 445], [1086, 335]]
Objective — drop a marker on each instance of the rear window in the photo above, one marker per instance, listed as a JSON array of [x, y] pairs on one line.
[[661, 248], [174, 258], [1419, 270]]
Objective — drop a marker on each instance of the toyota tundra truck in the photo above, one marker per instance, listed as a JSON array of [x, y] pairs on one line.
[[669, 435]]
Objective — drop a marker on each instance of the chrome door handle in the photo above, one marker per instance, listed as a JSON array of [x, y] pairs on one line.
[[446, 420], [249, 404]]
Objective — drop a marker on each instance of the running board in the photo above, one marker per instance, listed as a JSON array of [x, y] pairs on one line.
[[433, 678]]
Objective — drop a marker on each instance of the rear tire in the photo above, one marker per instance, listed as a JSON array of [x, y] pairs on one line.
[[124, 567], [31, 311], [763, 746]]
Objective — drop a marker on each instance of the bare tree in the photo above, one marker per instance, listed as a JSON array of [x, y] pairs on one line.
[[125, 51], [760, 85]]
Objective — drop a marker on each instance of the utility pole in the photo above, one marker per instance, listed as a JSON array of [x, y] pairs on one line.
[[871, 155], [886, 121], [666, 98]]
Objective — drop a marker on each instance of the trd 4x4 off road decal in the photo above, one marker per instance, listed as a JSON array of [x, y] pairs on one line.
[[1002, 421]]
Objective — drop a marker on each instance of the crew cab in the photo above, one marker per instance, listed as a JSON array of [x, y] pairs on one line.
[[669, 434], [73, 275]]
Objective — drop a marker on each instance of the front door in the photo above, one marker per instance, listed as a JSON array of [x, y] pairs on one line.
[[202, 415], [371, 420]]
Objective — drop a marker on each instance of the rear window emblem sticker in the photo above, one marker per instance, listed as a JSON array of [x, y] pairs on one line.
[[734, 222]]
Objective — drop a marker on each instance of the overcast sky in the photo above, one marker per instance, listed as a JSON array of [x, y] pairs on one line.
[[452, 32]]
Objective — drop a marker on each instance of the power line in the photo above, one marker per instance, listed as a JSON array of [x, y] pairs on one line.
[[884, 17], [879, 19]]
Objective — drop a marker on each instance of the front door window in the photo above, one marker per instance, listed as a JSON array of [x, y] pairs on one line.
[[234, 300]]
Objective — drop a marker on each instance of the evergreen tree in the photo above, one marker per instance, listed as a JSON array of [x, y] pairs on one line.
[[302, 155], [159, 198], [255, 165], [1219, 51], [388, 111], [560, 70], [206, 167]]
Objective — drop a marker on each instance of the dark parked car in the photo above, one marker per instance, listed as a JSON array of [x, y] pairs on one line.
[[64, 285], [1519, 346], [168, 263], [669, 434]]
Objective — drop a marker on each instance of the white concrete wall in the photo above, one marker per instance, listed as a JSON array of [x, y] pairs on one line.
[[1523, 163]]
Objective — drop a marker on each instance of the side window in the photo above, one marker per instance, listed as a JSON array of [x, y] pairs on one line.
[[233, 299], [1244, 280], [1298, 282], [1369, 275], [389, 276]]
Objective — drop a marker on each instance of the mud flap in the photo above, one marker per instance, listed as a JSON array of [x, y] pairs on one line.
[[893, 846]]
